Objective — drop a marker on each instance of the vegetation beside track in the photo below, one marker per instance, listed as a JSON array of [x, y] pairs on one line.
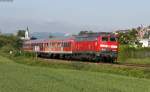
[[31, 60], [27, 75], [24, 72], [132, 55], [127, 54]]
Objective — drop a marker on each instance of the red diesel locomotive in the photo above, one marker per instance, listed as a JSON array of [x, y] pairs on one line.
[[92, 47]]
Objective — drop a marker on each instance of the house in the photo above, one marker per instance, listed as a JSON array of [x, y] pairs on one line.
[[145, 42], [144, 36], [143, 32]]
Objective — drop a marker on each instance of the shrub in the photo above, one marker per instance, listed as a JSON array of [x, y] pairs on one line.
[[126, 52], [7, 49], [29, 54]]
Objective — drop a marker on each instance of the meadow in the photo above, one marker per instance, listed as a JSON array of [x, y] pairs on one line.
[[21, 76], [24, 72]]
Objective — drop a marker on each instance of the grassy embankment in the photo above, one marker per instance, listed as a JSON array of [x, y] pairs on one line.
[[25, 73], [29, 59], [17, 77]]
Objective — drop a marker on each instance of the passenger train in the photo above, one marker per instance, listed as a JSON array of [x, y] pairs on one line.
[[94, 47]]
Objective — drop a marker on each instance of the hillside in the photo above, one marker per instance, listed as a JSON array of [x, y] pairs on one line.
[[23, 78]]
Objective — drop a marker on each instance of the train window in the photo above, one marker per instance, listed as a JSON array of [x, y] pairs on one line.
[[92, 38], [113, 39], [65, 44], [59, 44], [104, 38], [88, 38], [53, 44], [46, 44], [69, 44], [50, 44]]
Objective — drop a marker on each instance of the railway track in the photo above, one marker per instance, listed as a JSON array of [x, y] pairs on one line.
[[137, 65], [100, 63]]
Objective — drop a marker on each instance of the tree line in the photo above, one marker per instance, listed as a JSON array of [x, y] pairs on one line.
[[10, 42]]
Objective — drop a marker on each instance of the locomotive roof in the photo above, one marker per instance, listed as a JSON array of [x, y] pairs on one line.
[[70, 38], [51, 39], [96, 34], [62, 38]]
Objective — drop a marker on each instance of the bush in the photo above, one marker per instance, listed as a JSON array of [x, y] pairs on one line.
[[126, 52], [7, 49], [10, 40], [28, 54]]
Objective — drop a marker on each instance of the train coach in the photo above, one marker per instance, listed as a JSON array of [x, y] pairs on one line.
[[91, 47]]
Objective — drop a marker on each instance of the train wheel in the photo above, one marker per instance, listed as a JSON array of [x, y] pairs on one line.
[[97, 59]]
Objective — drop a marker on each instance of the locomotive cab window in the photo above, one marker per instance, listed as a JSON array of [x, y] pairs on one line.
[[104, 39], [113, 39]]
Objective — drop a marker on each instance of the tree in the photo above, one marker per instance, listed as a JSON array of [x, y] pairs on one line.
[[21, 33], [129, 37], [83, 32], [10, 40]]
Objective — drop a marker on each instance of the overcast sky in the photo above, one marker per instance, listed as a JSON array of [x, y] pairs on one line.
[[70, 16]]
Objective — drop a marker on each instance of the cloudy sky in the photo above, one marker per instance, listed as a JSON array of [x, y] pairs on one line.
[[71, 16]]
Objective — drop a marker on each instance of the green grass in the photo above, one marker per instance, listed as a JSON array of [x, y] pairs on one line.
[[15, 77], [92, 67]]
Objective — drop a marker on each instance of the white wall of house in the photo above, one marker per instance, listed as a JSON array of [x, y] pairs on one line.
[[145, 42]]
